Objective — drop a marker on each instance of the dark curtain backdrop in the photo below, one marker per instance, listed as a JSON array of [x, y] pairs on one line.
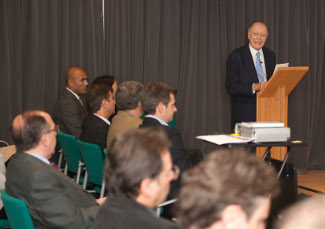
[[184, 43], [40, 40]]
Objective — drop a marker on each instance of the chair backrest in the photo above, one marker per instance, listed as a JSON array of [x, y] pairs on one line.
[[94, 162], [17, 212], [70, 150]]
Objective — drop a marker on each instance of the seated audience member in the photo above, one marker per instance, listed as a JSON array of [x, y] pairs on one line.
[[230, 189], [138, 173], [101, 102], [158, 103], [53, 199], [129, 107], [70, 111], [107, 80], [306, 214]]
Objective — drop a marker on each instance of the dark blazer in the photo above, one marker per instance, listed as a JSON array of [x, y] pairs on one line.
[[53, 199], [94, 130], [127, 213], [177, 150], [241, 74], [69, 114]]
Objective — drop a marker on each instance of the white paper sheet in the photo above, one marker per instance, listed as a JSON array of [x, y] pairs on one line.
[[224, 139], [280, 65]]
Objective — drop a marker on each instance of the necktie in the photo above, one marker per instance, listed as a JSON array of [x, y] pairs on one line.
[[259, 69]]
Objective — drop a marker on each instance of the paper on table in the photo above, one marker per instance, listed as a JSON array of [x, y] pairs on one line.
[[280, 65], [224, 139]]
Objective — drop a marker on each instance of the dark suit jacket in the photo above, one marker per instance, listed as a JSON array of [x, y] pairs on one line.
[[52, 198], [69, 114], [241, 74], [127, 213], [177, 150], [94, 130]]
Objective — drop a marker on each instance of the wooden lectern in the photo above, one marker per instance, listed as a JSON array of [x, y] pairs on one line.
[[272, 101]]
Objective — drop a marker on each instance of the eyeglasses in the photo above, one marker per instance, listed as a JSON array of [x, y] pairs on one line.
[[261, 35], [176, 171], [56, 129]]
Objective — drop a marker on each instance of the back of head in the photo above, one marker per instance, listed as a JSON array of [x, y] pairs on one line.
[[27, 129], [95, 95], [134, 156], [226, 177], [105, 79], [128, 95], [307, 214], [154, 93]]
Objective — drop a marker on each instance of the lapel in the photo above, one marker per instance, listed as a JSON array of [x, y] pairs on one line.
[[82, 107], [250, 63]]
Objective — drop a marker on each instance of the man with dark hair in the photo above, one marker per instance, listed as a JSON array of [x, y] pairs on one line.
[[230, 189], [70, 110], [101, 102], [248, 70], [107, 80], [129, 107], [138, 171], [158, 102], [52, 198]]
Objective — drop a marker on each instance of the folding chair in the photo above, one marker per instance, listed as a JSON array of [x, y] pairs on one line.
[[17, 212]]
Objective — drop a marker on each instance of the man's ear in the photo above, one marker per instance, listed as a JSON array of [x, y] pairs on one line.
[[161, 108], [233, 216], [146, 187], [44, 139], [145, 193], [103, 103], [70, 82]]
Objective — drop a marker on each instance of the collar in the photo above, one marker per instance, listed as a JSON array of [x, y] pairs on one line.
[[158, 119], [45, 160], [104, 119], [77, 96], [132, 114], [254, 51]]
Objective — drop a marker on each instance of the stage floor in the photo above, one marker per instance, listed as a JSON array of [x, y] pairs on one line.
[[312, 182]]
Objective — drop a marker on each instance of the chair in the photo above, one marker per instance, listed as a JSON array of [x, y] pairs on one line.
[[4, 223], [58, 148], [74, 162], [17, 212], [94, 162]]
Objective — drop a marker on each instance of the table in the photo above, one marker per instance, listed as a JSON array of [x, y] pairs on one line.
[[269, 145]]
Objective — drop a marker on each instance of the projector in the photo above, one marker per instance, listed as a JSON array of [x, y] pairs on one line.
[[263, 131]]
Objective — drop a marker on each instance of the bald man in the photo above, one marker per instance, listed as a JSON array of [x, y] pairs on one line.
[[53, 199], [248, 70], [70, 111]]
